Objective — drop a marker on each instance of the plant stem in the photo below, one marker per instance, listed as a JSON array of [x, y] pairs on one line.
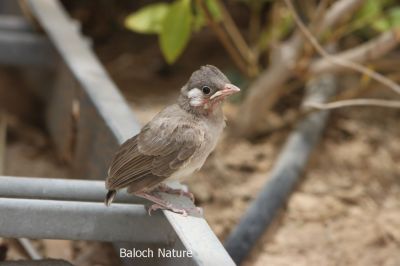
[[339, 61], [354, 102], [224, 39], [237, 38], [254, 23]]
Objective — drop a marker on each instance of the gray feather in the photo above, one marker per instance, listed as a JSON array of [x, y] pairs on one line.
[[178, 138], [164, 145]]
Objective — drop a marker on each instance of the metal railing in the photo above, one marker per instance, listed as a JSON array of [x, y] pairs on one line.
[[87, 119]]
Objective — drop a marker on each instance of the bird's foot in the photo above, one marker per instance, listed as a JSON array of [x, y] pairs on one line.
[[169, 207], [176, 191], [200, 210], [182, 211], [160, 204]]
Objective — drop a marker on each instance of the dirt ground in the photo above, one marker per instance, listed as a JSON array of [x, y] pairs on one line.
[[346, 211]]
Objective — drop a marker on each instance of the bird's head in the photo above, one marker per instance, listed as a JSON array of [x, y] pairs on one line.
[[206, 89]]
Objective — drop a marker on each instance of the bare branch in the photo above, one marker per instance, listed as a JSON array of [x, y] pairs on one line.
[[319, 15], [341, 62], [368, 51], [223, 38], [235, 35], [338, 12], [267, 88], [352, 103]]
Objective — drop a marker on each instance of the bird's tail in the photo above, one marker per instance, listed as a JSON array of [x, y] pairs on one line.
[[110, 197]]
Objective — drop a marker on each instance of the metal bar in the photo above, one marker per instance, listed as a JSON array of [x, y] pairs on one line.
[[106, 104], [25, 243], [45, 262], [48, 219], [86, 68], [9, 7], [284, 176], [59, 189], [93, 191], [105, 119], [15, 23], [29, 249], [25, 49], [3, 139]]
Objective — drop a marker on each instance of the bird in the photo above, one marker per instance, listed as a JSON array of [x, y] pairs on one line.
[[174, 144]]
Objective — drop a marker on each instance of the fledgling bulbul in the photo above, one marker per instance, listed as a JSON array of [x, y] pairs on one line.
[[175, 143]]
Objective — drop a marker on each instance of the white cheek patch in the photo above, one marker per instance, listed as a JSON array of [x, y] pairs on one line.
[[196, 97]]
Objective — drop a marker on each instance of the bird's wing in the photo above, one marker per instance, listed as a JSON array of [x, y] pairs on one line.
[[161, 148]]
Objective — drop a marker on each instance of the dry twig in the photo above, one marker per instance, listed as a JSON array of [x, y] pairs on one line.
[[337, 12], [235, 34], [340, 61], [266, 89], [224, 38], [231, 38], [368, 51], [354, 102]]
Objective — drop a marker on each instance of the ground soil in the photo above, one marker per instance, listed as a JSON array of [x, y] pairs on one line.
[[346, 211]]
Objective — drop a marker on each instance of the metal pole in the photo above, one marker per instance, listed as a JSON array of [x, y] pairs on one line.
[[3, 136], [109, 114], [49, 219], [284, 175], [30, 250], [25, 243], [14, 23], [59, 189], [26, 49]]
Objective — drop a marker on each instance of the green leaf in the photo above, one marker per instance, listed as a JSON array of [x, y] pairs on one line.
[[381, 24], [369, 12], [387, 21], [370, 9], [394, 16], [176, 30], [214, 9], [200, 20], [148, 19]]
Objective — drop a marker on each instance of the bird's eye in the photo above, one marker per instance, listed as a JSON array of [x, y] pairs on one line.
[[206, 89]]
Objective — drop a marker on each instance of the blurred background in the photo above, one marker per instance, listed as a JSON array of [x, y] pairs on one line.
[[345, 210]]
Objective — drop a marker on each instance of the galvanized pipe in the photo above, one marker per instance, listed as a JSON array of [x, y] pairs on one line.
[[15, 23], [284, 176], [105, 121], [59, 189], [49, 219], [29, 249], [26, 49]]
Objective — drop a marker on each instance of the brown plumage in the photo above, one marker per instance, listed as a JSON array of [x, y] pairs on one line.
[[177, 141]]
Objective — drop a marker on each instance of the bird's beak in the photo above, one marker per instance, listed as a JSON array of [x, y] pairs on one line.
[[228, 89]]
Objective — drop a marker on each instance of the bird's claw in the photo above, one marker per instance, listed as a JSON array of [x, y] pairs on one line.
[[186, 194], [169, 207], [200, 210], [177, 191]]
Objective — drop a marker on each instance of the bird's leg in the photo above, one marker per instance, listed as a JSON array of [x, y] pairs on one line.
[[166, 189], [159, 203]]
